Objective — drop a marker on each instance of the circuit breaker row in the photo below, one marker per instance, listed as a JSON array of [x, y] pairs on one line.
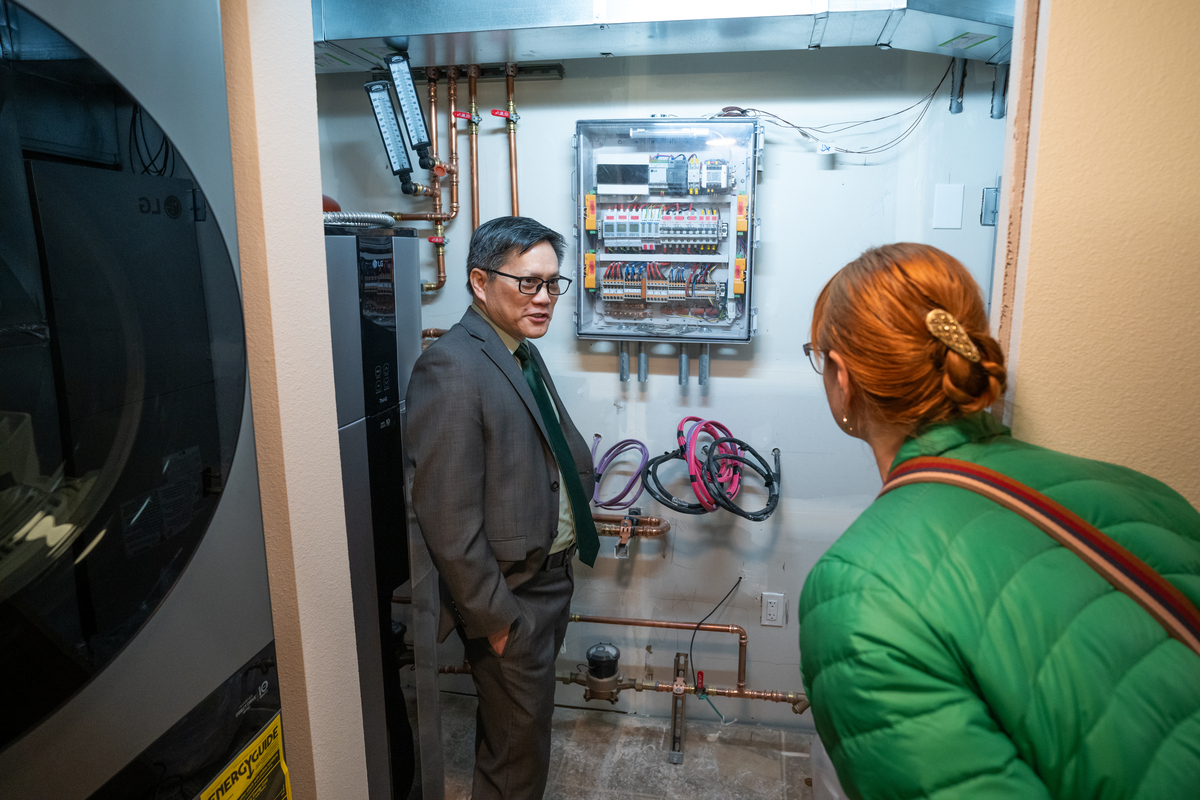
[[651, 227]]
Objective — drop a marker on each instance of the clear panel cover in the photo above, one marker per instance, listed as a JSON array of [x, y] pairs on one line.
[[666, 214]]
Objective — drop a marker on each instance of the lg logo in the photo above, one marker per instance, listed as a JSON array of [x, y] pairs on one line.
[[170, 205]]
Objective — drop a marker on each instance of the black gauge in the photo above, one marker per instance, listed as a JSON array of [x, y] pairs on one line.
[[602, 660]]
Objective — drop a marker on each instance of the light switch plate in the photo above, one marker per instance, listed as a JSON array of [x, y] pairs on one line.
[[774, 608]]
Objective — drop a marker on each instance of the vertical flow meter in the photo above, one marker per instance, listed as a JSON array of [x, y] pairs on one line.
[[389, 129], [410, 108]]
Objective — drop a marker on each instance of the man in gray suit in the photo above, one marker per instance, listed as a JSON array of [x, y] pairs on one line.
[[501, 484]]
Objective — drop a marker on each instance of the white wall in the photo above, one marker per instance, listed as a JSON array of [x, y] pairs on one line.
[[816, 214]]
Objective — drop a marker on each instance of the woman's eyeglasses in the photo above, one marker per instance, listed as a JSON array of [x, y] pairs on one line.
[[815, 357]]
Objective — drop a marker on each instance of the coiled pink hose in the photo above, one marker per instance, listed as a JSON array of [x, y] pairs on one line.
[[729, 476]]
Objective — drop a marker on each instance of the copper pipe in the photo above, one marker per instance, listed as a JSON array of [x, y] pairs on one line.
[[473, 137], [439, 232], [798, 700], [510, 77], [440, 259], [429, 334], [452, 140], [610, 525], [435, 184], [435, 181], [681, 626], [427, 216], [465, 669]]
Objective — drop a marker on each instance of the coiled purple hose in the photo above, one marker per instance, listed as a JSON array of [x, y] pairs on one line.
[[619, 503]]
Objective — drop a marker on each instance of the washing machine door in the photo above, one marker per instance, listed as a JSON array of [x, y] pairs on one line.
[[99, 521], [132, 572]]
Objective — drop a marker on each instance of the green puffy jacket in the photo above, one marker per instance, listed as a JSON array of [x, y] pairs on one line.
[[951, 649]]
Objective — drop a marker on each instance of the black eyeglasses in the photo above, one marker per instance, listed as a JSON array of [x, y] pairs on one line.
[[815, 357], [532, 285]]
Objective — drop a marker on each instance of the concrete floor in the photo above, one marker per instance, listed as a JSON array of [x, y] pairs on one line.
[[604, 755]]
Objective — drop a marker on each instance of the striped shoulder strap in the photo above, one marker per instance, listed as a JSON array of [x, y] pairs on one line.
[[1125, 571]]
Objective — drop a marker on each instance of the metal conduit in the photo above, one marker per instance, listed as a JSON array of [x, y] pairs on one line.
[[359, 218]]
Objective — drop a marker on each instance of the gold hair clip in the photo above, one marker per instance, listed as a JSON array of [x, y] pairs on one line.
[[945, 329]]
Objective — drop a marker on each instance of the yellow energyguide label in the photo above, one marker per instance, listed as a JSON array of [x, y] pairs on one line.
[[256, 773]]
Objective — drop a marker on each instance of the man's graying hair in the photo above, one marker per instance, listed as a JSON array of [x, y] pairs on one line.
[[496, 241]]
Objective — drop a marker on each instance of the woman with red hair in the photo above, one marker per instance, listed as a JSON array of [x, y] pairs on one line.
[[988, 627]]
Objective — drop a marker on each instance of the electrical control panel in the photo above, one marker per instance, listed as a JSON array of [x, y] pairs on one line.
[[667, 229]]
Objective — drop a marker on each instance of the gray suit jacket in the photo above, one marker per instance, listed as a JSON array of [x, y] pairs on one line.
[[485, 481]]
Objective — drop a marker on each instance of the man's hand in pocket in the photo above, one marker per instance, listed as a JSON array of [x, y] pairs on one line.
[[499, 640]]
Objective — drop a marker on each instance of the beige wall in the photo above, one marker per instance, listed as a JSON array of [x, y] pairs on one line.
[[277, 183], [1108, 364]]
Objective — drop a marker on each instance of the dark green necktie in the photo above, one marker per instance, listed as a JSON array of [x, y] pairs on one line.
[[586, 537]]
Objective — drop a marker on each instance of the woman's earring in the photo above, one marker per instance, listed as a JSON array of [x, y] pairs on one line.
[[846, 424]]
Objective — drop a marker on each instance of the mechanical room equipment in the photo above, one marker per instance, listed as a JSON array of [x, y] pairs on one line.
[[667, 229], [137, 654], [375, 328]]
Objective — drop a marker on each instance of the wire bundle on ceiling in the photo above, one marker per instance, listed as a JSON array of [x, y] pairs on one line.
[[622, 500], [716, 471], [823, 133]]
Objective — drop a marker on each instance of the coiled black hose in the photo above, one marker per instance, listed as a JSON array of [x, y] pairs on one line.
[[711, 468], [658, 492]]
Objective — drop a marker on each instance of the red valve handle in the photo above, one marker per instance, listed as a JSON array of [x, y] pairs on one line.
[[437, 239], [499, 112], [699, 680], [462, 114]]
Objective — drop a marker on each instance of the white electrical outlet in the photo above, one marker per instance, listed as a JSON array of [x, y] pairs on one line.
[[773, 608]]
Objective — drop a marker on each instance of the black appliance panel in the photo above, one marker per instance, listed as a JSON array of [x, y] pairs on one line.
[[377, 305], [125, 284], [362, 289], [20, 275], [384, 456]]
